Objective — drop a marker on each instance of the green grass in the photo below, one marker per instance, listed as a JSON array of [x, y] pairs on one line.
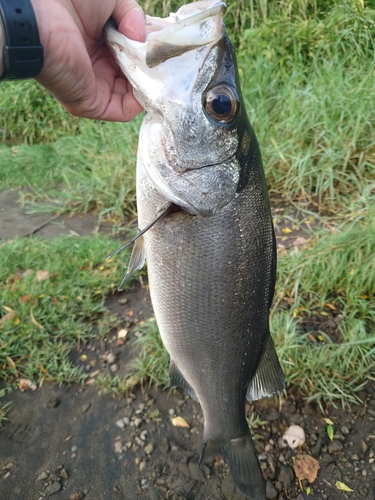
[[307, 72], [49, 317]]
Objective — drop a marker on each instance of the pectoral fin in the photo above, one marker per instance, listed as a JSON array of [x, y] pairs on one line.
[[137, 260], [268, 379], [178, 380]]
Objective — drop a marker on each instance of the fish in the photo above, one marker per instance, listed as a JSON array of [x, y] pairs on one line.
[[205, 224]]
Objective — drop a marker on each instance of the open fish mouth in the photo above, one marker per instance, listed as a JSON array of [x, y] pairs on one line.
[[195, 27]]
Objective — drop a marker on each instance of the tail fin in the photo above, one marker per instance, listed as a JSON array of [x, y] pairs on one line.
[[243, 463]]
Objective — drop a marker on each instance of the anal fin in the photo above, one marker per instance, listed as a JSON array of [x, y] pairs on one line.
[[268, 378], [178, 380]]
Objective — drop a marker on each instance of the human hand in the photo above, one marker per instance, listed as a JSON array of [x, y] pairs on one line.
[[79, 70]]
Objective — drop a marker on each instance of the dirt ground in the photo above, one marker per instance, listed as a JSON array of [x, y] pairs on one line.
[[72, 443]]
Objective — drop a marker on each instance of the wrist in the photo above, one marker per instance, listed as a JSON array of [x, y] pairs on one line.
[[22, 53]]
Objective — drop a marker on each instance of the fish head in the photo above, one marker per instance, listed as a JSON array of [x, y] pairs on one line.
[[185, 76]]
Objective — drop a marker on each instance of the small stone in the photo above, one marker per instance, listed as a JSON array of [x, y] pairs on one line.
[[271, 491], [52, 488], [345, 430], [120, 423], [110, 358], [118, 447], [354, 457], [85, 407], [74, 448], [195, 473], [128, 444], [138, 422], [114, 367], [53, 402], [142, 466], [364, 446], [335, 446], [143, 435], [171, 411], [149, 448], [78, 495], [164, 445], [7, 474], [143, 482], [286, 475], [126, 420], [63, 474], [42, 476], [364, 472]]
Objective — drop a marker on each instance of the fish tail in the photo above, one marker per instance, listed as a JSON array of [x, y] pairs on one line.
[[243, 463]]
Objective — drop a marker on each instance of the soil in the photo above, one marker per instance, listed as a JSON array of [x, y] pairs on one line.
[[71, 442]]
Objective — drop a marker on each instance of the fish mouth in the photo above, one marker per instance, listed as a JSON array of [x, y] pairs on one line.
[[216, 164], [149, 65]]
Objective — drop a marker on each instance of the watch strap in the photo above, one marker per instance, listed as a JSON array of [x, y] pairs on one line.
[[22, 51]]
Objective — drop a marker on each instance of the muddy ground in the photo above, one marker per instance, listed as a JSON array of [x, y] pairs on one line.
[[71, 442]]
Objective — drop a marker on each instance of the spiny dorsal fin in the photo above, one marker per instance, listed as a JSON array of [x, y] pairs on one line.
[[268, 379]]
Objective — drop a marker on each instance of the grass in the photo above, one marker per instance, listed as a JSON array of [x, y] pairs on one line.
[[52, 297], [306, 68]]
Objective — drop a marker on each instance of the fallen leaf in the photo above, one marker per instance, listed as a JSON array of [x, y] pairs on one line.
[[25, 384], [11, 362], [7, 317], [34, 321], [298, 242], [286, 230], [41, 275], [294, 436], [328, 421], [306, 467], [25, 298], [8, 309], [55, 300], [342, 486], [330, 432], [180, 422]]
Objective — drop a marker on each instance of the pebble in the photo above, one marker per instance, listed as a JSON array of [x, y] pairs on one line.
[[126, 420], [149, 448], [74, 448], [63, 474], [335, 446], [52, 488], [142, 466], [78, 495], [137, 422], [364, 446], [42, 476], [345, 430], [286, 475], [271, 491], [114, 367], [143, 435], [7, 474], [110, 358], [85, 407], [120, 423]]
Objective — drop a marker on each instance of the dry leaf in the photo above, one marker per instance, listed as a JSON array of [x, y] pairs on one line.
[[25, 384], [286, 230], [298, 242], [11, 362], [342, 486], [7, 317], [41, 275], [306, 467], [294, 436], [25, 298], [180, 422], [34, 321]]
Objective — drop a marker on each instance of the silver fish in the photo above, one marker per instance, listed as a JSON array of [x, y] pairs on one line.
[[211, 253]]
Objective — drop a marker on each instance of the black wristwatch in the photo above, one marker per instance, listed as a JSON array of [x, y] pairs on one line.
[[22, 51]]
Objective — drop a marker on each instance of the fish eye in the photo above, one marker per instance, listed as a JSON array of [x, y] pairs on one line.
[[221, 103]]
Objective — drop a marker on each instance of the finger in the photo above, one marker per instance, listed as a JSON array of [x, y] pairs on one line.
[[130, 19]]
